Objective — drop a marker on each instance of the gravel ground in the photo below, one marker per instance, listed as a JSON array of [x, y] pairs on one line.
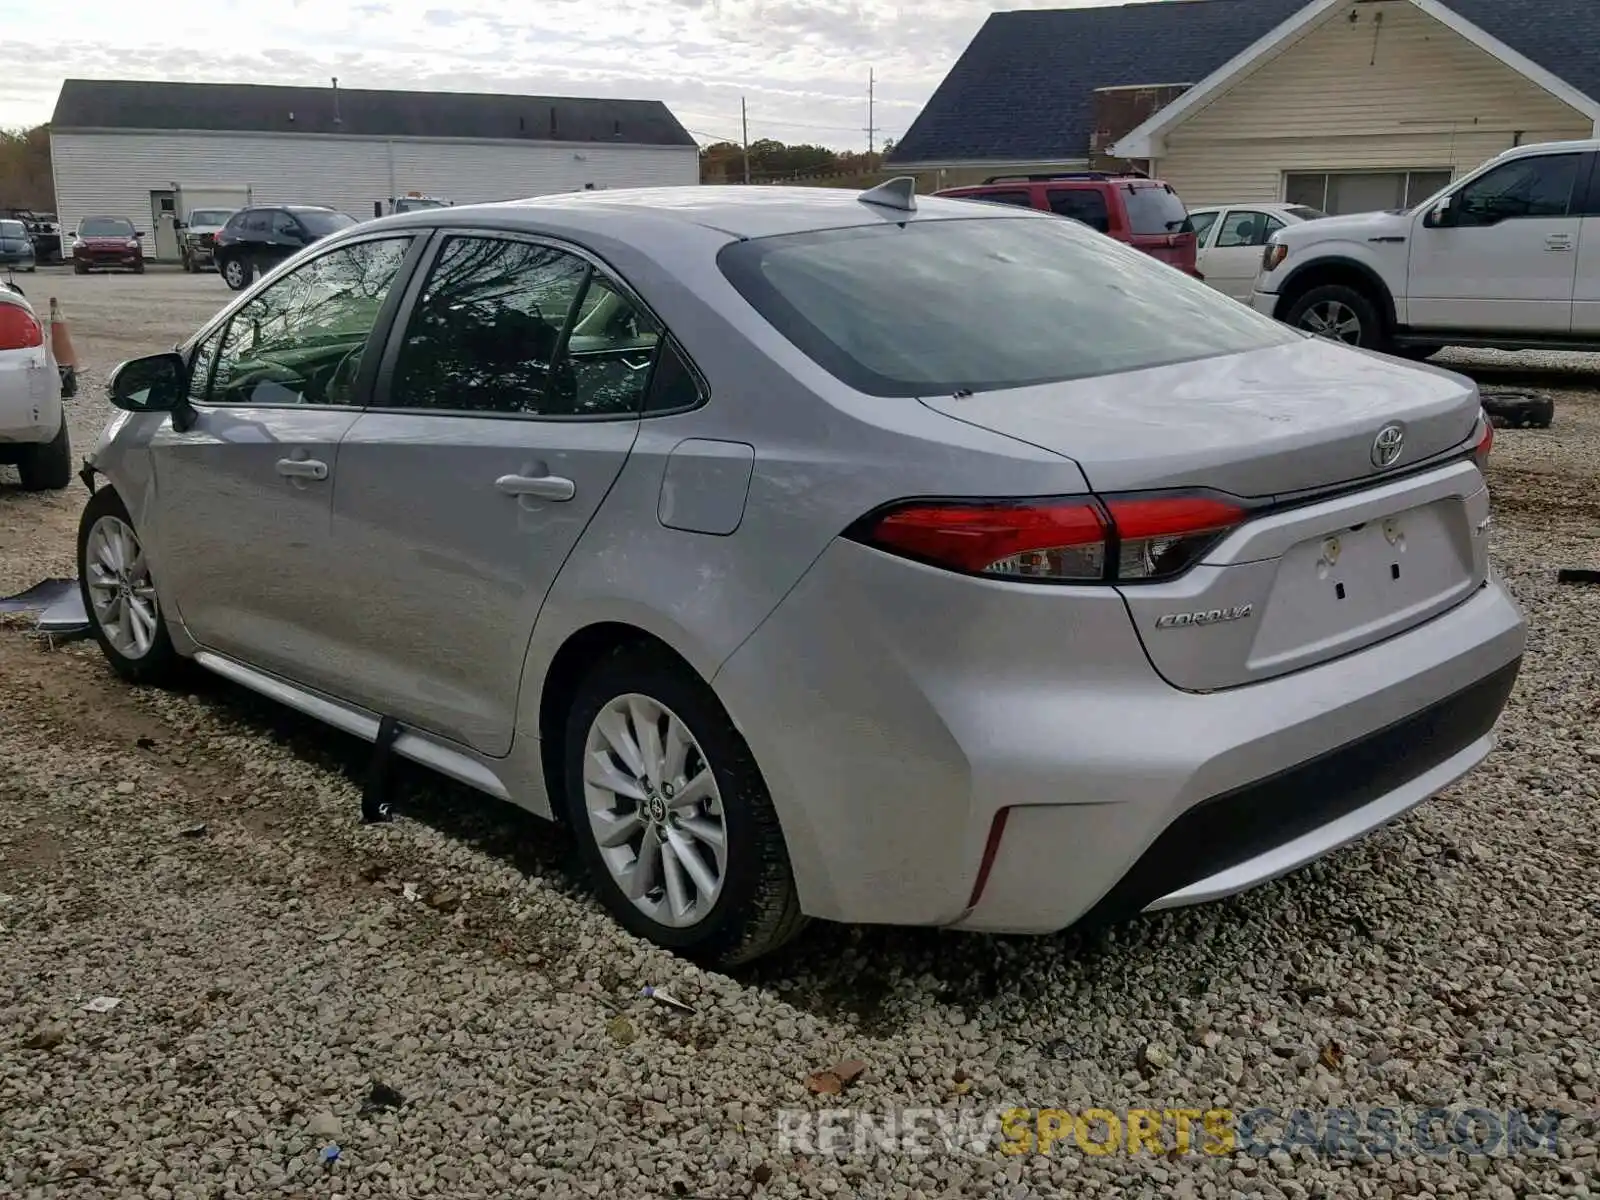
[[274, 966]]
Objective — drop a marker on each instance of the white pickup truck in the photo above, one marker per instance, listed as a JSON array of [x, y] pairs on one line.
[[1508, 256]]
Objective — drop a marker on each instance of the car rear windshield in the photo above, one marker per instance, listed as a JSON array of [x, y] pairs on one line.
[[210, 216], [105, 227], [1155, 210], [937, 307], [1304, 213], [322, 223]]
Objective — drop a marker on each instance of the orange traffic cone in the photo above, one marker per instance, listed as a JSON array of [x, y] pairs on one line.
[[61, 347]]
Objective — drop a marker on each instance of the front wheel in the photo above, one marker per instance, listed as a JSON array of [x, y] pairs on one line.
[[1339, 314], [236, 272], [119, 594], [672, 815]]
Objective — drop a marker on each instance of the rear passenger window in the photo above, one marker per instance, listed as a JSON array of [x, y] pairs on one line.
[[486, 331], [1081, 204], [513, 328]]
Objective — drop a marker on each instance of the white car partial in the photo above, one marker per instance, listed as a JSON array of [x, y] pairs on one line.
[[33, 425], [1232, 235]]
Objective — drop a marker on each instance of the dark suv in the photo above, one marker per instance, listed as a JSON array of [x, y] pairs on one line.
[[258, 239], [1146, 213]]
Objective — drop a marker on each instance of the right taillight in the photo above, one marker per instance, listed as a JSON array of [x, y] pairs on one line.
[[1480, 453], [1128, 539], [18, 329]]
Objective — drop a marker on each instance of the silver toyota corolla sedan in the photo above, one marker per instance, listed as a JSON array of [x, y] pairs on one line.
[[816, 553]]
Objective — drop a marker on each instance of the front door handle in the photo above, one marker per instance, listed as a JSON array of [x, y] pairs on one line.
[[1559, 242], [545, 487], [302, 468]]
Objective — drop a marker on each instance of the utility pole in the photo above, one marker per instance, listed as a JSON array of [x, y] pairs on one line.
[[744, 119], [872, 129]]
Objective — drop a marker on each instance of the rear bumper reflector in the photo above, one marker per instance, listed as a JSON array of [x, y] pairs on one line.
[[991, 848]]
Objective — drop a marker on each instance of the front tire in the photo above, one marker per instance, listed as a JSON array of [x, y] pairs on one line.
[[236, 272], [47, 466], [671, 813], [119, 594], [1339, 314]]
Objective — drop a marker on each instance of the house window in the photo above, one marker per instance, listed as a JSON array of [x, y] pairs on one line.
[[1337, 192]]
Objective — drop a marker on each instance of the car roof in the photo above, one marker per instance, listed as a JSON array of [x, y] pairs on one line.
[[735, 210]]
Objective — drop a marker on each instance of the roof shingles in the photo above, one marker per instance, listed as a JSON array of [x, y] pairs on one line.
[[1023, 91], [253, 108]]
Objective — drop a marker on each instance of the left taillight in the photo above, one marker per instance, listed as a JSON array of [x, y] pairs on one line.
[[1480, 453], [1120, 539], [18, 329]]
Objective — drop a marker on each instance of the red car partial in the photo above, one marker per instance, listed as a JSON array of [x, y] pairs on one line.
[[1143, 212], [107, 243]]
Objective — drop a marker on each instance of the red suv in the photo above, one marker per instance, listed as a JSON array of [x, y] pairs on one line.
[[1146, 213]]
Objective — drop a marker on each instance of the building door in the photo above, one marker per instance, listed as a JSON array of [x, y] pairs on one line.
[[163, 222]]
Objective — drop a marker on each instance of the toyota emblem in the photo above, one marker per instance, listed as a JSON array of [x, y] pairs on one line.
[[1387, 445]]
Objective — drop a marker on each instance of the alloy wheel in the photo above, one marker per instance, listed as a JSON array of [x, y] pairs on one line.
[[655, 810], [233, 271], [120, 590], [1333, 320]]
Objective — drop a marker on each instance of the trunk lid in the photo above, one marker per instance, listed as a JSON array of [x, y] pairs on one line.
[[1295, 586], [1273, 422]]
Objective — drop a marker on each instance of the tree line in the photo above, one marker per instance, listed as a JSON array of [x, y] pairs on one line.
[[25, 180], [777, 162]]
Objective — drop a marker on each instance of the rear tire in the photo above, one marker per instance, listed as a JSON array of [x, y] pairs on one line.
[[1340, 314], [47, 466], [236, 272], [645, 696], [104, 566], [80, 268]]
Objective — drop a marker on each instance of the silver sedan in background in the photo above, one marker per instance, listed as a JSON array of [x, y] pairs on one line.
[[820, 554]]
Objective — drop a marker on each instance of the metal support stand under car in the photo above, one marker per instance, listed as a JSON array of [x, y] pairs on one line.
[[380, 774]]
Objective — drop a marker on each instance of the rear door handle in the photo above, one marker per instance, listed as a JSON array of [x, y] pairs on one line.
[[545, 487], [302, 468]]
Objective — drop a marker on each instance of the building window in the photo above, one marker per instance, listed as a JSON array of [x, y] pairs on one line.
[[1337, 192]]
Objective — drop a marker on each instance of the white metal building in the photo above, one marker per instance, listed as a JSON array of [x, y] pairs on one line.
[[132, 149]]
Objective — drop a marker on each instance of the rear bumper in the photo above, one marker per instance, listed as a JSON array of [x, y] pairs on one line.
[[30, 399], [128, 259], [914, 706]]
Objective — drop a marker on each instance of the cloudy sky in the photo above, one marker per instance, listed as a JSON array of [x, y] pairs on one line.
[[801, 65]]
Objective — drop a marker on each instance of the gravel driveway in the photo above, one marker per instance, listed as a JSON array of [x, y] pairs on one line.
[[275, 965]]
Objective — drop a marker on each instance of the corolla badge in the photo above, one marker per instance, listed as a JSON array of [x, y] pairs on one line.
[[1210, 616], [1387, 445]]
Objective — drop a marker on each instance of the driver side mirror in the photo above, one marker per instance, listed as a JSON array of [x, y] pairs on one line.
[[1442, 215], [154, 383]]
